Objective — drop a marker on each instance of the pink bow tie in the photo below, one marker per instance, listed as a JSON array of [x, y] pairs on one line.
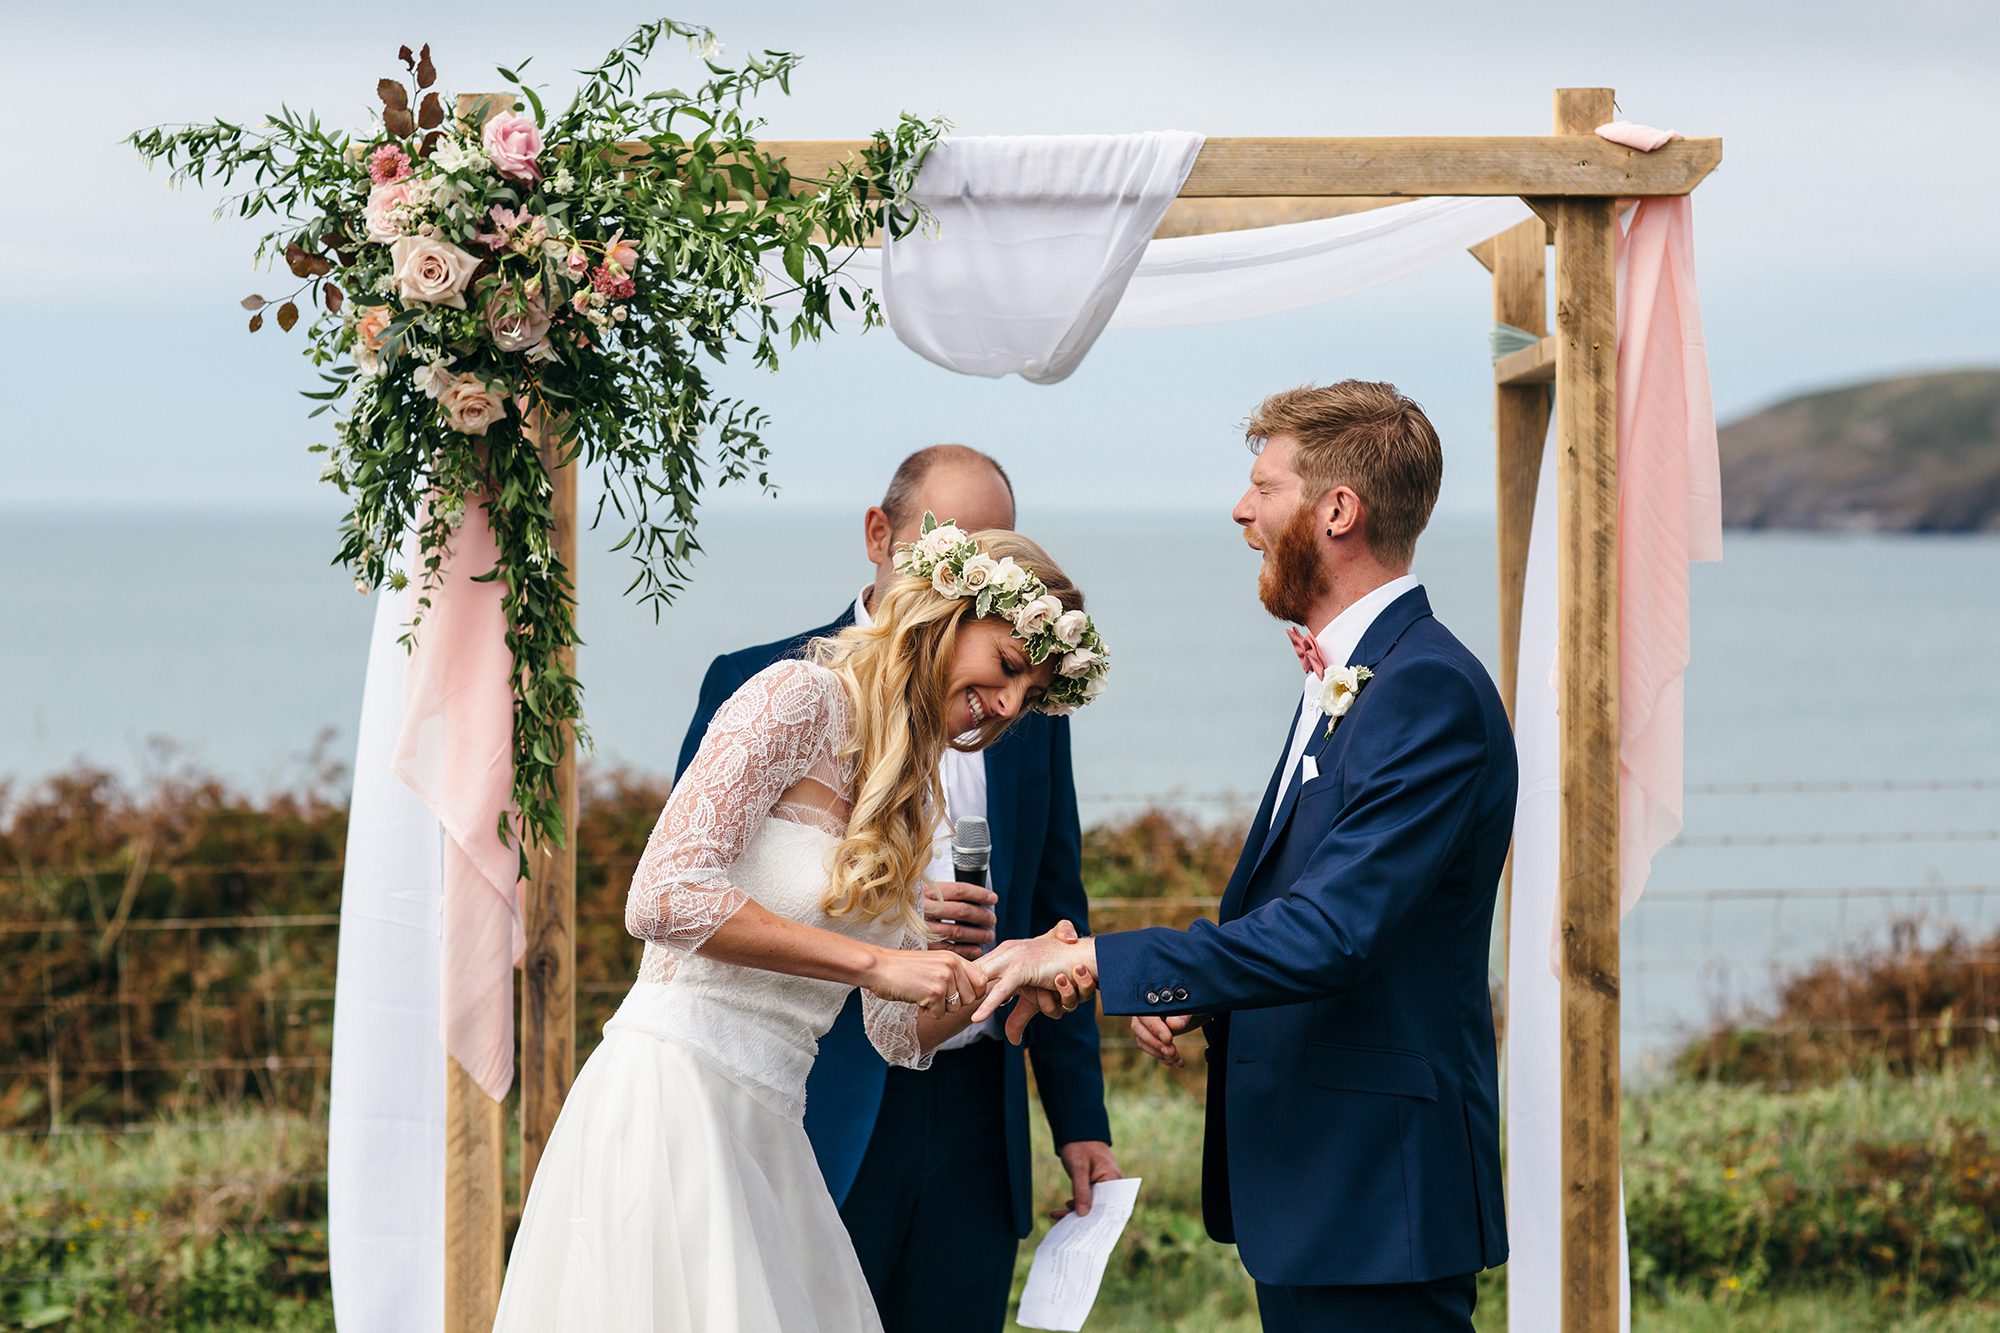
[[1310, 656]]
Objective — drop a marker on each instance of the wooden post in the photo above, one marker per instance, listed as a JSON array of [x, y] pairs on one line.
[[474, 1203], [1521, 427], [548, 968], [1586, 411]]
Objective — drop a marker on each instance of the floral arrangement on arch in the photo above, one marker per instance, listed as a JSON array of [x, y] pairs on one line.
[[496, 291]]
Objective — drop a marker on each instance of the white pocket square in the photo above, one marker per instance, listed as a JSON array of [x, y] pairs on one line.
[[1308, 770]]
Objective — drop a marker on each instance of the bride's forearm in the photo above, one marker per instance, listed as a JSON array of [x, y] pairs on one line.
[[755, 936]]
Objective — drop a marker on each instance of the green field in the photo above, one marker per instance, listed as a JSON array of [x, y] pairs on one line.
[[1871, 1204]]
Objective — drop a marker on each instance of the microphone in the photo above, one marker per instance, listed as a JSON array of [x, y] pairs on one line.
[[971, 850]]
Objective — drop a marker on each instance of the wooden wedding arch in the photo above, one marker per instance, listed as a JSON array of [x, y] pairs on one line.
[[1573, 180]]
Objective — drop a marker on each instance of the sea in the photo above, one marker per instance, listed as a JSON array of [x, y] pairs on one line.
[[1843, 718]]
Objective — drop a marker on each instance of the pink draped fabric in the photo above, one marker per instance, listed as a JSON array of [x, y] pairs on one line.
[[1669, 509], [456, 752]]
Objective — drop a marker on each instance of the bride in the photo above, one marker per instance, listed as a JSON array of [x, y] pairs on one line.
[[678, 1190]]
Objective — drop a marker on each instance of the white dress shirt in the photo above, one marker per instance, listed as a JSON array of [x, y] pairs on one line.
[[964, 778], [1337, 643]]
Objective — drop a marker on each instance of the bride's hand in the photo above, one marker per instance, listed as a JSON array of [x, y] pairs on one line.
[[936, 981]]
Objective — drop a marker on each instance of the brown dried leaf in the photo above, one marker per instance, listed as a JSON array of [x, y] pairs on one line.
[[431, 114], [403, 54], [288, 315], [430, 142], [399, 123], [334, 298], [426, 72], [253, 303], [298, 260], [256, 323], [394, 96], [317, 266]]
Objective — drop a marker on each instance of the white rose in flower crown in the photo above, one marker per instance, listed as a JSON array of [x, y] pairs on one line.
[[1078, 662], [432, 272], [1069, 628], [1010, 576], [1095, 686], [469, 406], [978, 572], [1034, 616], [941, 541], [944, 581]]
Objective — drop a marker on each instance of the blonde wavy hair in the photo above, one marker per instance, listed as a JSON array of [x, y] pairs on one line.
[[897, 671]]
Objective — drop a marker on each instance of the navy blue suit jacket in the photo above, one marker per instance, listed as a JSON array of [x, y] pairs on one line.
[[1037, 871], [1353, 1125]]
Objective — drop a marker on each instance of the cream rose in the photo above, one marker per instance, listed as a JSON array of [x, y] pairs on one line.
[[944, 581], [387, 212], [431, 271], [1032, 618], [978, 572], [1337, 690], [1011, 576], [516, 324], [469, 407], [941, 541], [1078, 662], [1069, 628]]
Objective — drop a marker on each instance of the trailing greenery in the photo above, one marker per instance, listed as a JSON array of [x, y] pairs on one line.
[[488, 303]]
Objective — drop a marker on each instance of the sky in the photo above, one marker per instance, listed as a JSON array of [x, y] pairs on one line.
[[1846, 235]]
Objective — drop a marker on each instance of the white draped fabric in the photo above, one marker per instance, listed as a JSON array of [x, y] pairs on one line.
[[385, 1131], [1035, 239]]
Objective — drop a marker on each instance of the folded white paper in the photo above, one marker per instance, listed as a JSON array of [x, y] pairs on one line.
[[1069, 1263]]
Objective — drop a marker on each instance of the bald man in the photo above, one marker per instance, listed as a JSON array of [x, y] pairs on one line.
[[914, 1155]]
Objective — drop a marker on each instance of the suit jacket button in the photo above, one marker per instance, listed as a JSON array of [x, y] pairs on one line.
[[1180, 993], [1152, 997]]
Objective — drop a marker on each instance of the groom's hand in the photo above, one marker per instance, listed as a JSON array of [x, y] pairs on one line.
[[1156, 1035], [961, 916]]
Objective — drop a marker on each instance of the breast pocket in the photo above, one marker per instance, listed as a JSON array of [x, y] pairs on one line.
[[1371, 1069]]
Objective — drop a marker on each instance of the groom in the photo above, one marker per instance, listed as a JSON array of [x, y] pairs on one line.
[[1352, 1149], [930, 1167]]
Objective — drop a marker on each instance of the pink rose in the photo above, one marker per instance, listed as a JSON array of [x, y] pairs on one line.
[[513, 143], [431, 271], [516, 324], [388, 211], [469, 407], [388, 164], [621, 252]]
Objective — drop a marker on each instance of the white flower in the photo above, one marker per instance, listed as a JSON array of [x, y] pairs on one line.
[[941, 541], [431, 378], [1070, 627], [562, 182], [1033, 616], [451, 155], [1337, 690], [944, 581], [1010, 576], [979, 571], [1078, 662], [1094, 686]]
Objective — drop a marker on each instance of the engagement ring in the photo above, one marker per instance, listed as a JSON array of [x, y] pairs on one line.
[[951, 1000]]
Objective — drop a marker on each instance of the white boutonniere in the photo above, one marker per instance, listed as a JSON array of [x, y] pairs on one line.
[[1337, 689]]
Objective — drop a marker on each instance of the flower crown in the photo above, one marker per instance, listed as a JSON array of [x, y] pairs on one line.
[[955, 567]]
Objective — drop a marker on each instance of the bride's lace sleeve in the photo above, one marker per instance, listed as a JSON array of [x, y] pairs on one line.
[[762, 740], [892, 1024]]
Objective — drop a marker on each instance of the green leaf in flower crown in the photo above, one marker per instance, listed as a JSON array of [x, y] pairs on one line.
[[985, 603]]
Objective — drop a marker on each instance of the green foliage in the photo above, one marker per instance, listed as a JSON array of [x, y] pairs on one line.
[[674, 182]]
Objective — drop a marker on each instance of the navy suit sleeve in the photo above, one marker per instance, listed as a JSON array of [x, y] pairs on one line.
[[724, 678], [1068, 1072], [1413, 777]]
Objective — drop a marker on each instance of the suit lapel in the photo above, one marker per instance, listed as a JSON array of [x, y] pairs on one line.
[[1003, 774], [1253, 845], [1382, 635]]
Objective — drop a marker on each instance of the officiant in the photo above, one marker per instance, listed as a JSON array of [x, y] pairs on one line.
[[909, 1155]]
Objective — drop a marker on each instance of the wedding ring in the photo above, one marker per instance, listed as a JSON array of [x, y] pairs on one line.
[[951, 1000]]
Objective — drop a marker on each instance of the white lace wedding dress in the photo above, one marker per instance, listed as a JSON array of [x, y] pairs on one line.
[[678, 1191]]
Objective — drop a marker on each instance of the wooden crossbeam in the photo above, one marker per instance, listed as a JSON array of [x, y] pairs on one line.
[[1551, 166], [1530, 365]]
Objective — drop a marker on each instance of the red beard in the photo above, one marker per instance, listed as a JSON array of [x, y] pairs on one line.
[[1292, 578]]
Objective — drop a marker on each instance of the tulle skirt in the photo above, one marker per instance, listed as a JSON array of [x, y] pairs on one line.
[[672, 1200]]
